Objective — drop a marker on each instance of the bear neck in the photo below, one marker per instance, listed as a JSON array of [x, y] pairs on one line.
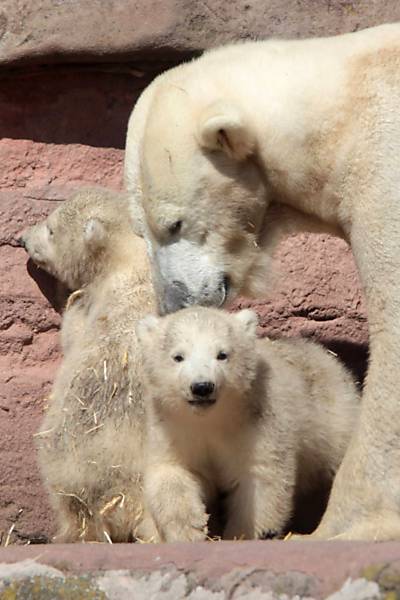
[[302, 146], [123, 258]]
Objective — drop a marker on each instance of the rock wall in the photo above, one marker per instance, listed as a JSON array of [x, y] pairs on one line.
[[70, 72]]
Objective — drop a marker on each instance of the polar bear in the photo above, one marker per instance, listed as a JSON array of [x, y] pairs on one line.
[[255, 420], [90, 441], [229, 152]]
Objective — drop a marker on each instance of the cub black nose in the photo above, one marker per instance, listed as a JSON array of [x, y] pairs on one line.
[[202, 388], [21, 242]]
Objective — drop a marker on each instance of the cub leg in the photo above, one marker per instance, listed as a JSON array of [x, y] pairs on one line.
[[261, 504], [70, 521], [174, 498]]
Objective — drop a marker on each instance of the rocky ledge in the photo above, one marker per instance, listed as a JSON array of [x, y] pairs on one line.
[[203, 571]]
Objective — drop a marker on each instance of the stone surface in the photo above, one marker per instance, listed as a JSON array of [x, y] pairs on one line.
[[360, 589], [34, 178], [81, 104], [74, 30], [203, 571]]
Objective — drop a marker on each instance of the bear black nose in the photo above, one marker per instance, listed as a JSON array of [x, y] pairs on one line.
[[202, 388], [21, 242], [176, 296]]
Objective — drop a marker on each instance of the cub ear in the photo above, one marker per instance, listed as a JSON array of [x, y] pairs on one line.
[[94, 232], [146, 326], [222, 127], [248, 319]]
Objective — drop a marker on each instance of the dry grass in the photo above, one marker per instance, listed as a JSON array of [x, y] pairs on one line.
[[80, 500], [119, 500], [6, 536], [73, 297]]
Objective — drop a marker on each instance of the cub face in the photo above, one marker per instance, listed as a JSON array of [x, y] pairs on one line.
[[70, 242], [198, 358]]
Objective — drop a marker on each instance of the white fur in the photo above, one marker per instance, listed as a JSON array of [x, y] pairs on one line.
[[91, 438], [309, 137], [277, 421]]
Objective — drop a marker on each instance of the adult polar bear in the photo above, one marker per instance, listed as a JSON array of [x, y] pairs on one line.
[[228, 152]]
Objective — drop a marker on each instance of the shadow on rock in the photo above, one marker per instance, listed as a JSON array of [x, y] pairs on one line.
[[55, 292]]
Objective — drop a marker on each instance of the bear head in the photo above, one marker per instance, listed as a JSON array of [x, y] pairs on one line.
[[79, 238], [202, 199], [199, 359]]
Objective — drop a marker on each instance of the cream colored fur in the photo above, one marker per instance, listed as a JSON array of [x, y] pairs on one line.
[[283, 415], [90, 441], [215, 146]]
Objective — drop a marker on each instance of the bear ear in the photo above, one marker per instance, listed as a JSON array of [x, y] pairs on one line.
[[222, 127], [94, 232], [146, 327], [248, 319]]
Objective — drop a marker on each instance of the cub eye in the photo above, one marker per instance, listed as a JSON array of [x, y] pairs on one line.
[[178, 358], [222, 355], [175, 227], [51, 232]]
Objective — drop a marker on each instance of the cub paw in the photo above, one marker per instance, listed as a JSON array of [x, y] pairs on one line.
[[269, 534], [191, 529]]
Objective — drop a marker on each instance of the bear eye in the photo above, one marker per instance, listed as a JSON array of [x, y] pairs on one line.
[[222, 355], [175, 228], [51, 232], [178, 357]]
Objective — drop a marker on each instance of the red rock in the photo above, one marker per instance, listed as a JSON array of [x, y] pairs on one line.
[[43, 31], [84, 104], [34, 178]]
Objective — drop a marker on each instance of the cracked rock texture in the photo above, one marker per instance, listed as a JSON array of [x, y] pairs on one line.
[[70, 72], [65, 30], [202, 571]]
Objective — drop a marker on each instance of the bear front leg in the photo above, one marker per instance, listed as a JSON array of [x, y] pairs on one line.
[[261, 504], [70, 522], [174, 498], [365, 498]]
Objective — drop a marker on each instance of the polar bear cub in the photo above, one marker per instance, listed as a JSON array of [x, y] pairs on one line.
[[90, 441], [254, 419]]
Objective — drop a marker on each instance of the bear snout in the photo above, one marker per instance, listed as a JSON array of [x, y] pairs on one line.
[[202, 388], [176, 296], [202, 391]]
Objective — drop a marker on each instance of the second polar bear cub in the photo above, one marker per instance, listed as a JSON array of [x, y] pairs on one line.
[[91, 438], [255, 419]]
